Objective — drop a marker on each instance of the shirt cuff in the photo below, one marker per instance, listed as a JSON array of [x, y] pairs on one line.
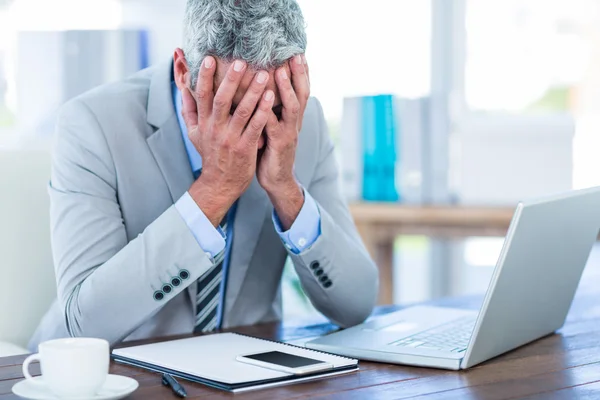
[[305, 230], [210, 239]]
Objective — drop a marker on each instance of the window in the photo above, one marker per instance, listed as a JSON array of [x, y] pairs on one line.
[[528, 55], [539, 56], [360, 48]]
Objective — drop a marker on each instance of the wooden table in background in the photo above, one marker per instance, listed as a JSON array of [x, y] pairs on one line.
[[380, 223], [563, 366]]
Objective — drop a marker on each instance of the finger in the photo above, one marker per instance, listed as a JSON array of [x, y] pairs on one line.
[[300, 80], [204, 88], [272, 125], [259, 119], [306, 68], [227, 90], [305, 63], [189, 111], [291, 105], [246, 107]]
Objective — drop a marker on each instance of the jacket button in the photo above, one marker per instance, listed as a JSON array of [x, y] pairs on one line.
[[167, 288], [314, 265], [158, 295], [324, 278], [319, 272], [175, 281], [327, 284], [184, 274]]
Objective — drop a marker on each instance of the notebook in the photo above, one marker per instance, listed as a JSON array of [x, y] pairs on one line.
[[211, 360]]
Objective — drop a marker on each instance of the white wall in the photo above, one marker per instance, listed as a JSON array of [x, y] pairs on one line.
[[26, 268], [501, 159]]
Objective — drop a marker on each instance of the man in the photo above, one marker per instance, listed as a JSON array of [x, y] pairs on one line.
[[178, 194]]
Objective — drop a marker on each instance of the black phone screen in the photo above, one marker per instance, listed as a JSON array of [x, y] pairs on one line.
[[283, 359]]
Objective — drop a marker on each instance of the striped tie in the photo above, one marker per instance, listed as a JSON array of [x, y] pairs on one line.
[[207, 299]]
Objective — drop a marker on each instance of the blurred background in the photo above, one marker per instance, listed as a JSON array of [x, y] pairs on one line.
[[474, 104]]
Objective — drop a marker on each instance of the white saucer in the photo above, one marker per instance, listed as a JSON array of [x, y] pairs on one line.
[[116, 387]]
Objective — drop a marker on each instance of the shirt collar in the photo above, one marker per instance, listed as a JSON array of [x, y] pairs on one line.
[[193, 155]]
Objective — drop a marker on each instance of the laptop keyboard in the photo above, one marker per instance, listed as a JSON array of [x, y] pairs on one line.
[[453, 337]]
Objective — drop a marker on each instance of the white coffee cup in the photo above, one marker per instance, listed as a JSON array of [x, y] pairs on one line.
[[71, 368]]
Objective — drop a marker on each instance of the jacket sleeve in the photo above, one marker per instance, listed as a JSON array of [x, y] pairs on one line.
[[107, 286], [336, 272]]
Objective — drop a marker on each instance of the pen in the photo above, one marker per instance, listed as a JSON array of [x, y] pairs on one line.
[[168, 380]]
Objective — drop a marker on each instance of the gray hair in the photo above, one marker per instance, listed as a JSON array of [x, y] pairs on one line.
[[264, 33]]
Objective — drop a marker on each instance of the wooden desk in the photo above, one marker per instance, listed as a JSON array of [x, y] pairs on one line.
[[563, 366], [380, 223]]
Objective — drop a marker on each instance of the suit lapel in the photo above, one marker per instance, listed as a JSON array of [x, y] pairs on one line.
[[166, 143], [168, 150], [250, 216]]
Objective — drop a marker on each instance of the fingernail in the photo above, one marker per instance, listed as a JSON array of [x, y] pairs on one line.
[[304, 58], [208, 62], [298, 59], [283, 74], [269, 95], [262, 77], [238, 66]]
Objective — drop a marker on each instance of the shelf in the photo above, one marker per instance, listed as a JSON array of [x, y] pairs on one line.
[[432, 216]]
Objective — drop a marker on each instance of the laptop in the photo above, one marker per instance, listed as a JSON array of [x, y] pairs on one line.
[[545, 251]]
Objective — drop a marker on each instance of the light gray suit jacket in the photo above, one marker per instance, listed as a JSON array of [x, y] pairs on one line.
[[119, 164]]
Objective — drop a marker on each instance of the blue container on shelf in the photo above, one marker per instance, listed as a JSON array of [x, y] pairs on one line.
[[379, 131]]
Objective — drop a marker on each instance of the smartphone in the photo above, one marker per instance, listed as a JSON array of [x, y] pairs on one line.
[[285, 362]]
